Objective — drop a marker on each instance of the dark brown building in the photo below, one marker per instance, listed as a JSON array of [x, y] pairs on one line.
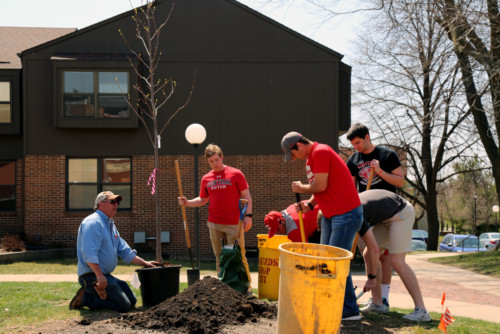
[[69, 134]]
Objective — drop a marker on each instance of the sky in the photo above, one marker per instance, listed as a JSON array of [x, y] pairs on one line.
[[335, 34]]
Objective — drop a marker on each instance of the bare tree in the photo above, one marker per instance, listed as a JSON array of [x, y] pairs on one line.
[[457, 195], [408, 82], [153, 92], [473, 27]]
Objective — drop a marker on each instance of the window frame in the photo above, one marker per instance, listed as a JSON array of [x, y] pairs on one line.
[[11, 185], [9, 102], [99, 183], [60, 66], [14, 127]]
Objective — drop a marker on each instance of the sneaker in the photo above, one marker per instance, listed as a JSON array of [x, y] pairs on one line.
[[76, 302], [352, 317], [418, 315], [372, 307], [365, 304], [385, 302]]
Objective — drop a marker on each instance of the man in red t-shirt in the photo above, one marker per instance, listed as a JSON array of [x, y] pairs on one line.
[[287, 222], [333, 190], [224, 186]]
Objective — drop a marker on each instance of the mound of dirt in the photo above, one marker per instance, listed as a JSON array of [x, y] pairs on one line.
[[202, 308]]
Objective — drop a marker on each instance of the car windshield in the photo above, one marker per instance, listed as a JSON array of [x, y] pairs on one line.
[[417, 233], [495, 235], [466, 242]]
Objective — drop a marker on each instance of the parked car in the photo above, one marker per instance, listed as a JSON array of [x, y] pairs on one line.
[[460, 243], [419, 235], [418, 245], [489, 240]]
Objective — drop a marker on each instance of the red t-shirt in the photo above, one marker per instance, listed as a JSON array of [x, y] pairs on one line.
[[224, 191], [309, 219], [340, 195]]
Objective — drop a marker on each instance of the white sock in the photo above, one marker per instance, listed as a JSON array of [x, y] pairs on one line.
[[385, 291]]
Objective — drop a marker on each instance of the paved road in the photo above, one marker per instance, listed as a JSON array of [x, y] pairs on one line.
[[467, 294]]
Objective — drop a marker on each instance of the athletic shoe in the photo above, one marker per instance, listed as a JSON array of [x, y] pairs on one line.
[[385, 302], [418, 315], [76, 302], [372, 307], [352, 317], [365, 304]]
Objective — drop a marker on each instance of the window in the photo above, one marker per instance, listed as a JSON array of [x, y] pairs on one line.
[[95, 94], [7, 186], [90, 91], [86, 177], [5, 103]]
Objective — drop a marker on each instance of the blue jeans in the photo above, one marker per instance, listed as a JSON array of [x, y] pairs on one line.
[[120, 296], [339, 231]]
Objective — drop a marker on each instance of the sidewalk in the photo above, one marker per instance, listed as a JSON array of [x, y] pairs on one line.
[[467, 294]]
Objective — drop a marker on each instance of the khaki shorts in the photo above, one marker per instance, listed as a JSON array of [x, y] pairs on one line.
[[394, 233], [229, 234]]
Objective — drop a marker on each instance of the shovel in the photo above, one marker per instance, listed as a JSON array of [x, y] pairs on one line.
[[301, 221], [193, 275]]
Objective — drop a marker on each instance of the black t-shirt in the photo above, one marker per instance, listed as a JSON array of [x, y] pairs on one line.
[[359, 166], [380, 205], [364, 228]]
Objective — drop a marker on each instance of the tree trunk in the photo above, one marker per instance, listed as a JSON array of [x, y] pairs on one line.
[[432, 220]]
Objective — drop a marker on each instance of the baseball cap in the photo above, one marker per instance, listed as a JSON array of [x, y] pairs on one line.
[[290, 139], [272, 221], [104, 196]]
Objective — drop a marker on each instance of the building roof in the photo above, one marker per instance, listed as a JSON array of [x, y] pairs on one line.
[[14, 40]]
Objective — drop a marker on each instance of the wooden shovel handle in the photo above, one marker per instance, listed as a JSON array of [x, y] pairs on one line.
[[301, 220], [179, 184], [370, 179]]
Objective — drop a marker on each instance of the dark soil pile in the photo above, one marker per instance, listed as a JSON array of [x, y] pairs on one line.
[[202, 308]]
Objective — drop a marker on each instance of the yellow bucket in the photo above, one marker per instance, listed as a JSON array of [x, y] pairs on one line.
[[312, 288], [269, 271]]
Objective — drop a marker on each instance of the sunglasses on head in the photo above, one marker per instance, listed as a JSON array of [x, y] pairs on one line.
[[113, 201]]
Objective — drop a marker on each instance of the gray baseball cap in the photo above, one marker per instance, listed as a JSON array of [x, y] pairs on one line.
[[288, 141], [104, 196]]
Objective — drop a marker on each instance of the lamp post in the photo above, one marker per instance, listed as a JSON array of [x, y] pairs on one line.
[[195, 135], [495, 209], [474, 231]]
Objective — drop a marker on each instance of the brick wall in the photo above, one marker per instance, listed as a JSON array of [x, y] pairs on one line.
[[13, 222], [47, 223]]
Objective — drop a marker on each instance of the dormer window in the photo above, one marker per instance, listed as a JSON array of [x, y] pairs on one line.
[[91, 91], [95, 94]]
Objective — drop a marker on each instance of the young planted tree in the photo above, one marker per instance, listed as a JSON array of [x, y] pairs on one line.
[[153, 92]]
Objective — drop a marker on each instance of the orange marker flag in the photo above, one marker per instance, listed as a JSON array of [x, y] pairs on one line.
[[446, 320]]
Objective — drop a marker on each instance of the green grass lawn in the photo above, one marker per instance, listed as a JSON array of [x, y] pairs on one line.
[[24, 304], [27, 304], [69, 266], [486, 263]]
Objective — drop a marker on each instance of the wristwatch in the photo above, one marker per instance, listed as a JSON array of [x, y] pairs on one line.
[[248, 215], [370, 276], [310, 205]]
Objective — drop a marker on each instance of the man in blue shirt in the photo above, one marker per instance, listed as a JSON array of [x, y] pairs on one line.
[[98, 247]]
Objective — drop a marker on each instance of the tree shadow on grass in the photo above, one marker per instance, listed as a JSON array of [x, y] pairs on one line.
[[391, 322]]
